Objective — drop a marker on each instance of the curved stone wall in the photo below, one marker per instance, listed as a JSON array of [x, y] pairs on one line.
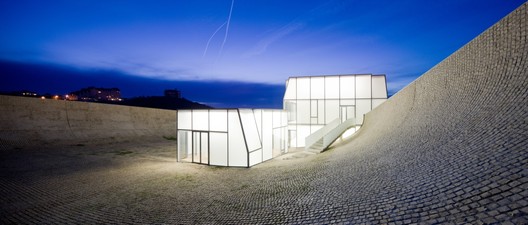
[[28, 122], [450, 147]]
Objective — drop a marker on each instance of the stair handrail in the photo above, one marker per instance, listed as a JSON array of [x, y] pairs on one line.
[[317, 135], [335, 133]]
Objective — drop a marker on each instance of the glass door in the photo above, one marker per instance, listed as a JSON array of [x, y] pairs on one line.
[[200, 148]]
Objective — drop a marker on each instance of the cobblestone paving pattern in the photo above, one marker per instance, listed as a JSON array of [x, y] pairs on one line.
[[450, 148]]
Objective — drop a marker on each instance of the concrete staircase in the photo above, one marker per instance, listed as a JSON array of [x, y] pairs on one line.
[[324, 137], [317, 147]]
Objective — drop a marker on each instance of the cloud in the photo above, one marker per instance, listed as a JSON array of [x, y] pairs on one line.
[[264, 43]]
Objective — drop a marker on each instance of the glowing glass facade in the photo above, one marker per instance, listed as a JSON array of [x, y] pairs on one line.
[[231, 137], [246, 137], [312, 102]]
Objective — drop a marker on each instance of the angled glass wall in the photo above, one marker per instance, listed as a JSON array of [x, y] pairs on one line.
[[231, 137], [312, 102], [246, 137]]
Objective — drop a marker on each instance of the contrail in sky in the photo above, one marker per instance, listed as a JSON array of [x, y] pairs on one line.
[[209, 41], [227, 27]]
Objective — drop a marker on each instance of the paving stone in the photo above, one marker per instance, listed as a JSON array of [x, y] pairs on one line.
[[448, 148]]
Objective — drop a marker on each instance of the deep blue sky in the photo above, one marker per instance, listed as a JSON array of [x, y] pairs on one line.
[[240, 60]]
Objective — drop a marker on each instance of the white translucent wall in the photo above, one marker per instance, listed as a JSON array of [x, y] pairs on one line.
[[331, 87], [238, 153], [218, 120], [363, 106], [331, 110], [303, 88], [364, 86], [291, 89], [218, 149], [317, 88], [347, 87], [267, 135], [376, 102], [379, 87], [200, 120], [311, 102], [234, 137], [249, 126], [184, 119]]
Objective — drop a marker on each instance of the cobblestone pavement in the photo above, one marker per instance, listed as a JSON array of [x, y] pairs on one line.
[[450, 148]]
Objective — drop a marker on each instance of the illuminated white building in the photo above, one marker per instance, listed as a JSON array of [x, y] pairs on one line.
[[317, 110]]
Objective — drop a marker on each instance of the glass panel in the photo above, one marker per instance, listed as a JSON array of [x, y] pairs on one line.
[[321, 111], [379, 89], [218, 152], [277, 118], [292, 137], [200, 120], [276, 142], [303, 111], [351, 112], [291, 109], [347, 86], [362, 107], [348, 102], [303, 88], [249, 126], [255, 157], [267, 134], [332, 110], [363, 86], [302, 133], [343, 114], [204, 148], [236, 145], [218, 120], [313, 108], [196, 147], [317, 86], [332, 87], [258, 120], [184, 146], [291, 89], [184, 119], [315, 128], [376, 102]]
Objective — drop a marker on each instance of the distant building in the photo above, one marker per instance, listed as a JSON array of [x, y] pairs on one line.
[[28, 93], [173, 93], [96, 94]]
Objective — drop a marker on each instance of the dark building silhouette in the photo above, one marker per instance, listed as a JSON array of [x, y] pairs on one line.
[[173, 93], [96, 94]]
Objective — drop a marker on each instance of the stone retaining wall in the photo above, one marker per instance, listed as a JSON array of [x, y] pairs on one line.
[[28, 122]]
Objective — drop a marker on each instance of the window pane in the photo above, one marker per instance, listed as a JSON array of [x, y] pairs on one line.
[[218, 152], [200, 120], [362, 107], [347, 86], [332, 110], [236, 145], [317, 87], [184, 119], [379, 89], [291, 89], [303, 112], [303, 88], [218, 120], [363, 86], [250, 129], [332, 87]]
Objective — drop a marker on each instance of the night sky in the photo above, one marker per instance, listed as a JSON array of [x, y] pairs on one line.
[[228, 53]]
